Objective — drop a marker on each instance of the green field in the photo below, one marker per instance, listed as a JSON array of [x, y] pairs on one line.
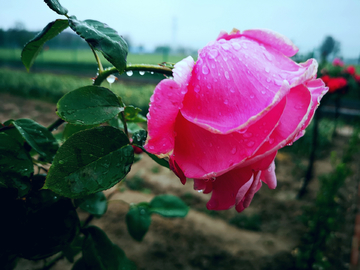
[[86, 57]]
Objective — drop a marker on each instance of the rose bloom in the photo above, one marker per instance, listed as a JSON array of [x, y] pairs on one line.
[[338, 62], [335, 83], [351, 70], [222, 119]]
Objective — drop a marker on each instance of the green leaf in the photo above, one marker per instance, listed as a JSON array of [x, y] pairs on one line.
[[104, 39], [138, 221], [15, 165], [55, 6], [132, 114], [168, 206], [88, 105], [90, 161], [73, 249], [50, 225], [72, 129], [38, 137], [139, 139], [34, 46], [94, 204], [99, 253]]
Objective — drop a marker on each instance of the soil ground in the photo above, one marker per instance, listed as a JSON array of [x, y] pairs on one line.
[[207, 239]]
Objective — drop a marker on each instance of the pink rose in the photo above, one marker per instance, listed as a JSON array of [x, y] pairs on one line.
[[338, 62], [222, 119]]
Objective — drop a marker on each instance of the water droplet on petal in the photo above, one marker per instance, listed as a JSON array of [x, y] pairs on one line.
[[267, 69], [205, 70], [197, 89], [129, 73], [225, 46], [208, 86], [232, 90], [233, 151], [227, 76], [268, 80], [244, 45], [213, 54], [226, 102], [271, 141], [252, 96], [247, 135], [236, 46], [250, 144]]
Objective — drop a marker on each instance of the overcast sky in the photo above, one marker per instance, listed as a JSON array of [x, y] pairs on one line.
[[193, 23]]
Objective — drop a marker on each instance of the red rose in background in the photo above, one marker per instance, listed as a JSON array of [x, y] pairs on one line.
[[338, 62], [351, 70], [334, 84]]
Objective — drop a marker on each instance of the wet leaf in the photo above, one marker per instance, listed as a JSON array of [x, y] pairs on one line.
[[34, 46], [88, 105], [95, 204], [38, 137], [72, 129], [168, 206], [15, 165], [138, 221], [103, 39], [139, 139], [99, 253], [90, 161], [55, 6]]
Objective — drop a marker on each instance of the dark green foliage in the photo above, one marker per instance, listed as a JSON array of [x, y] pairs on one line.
[[168, 206], [324, 218], [15, 165], [103, 39], [34, 46], [138, 220], [90, 161], [99, 253], [94, 204], [88, 105], [56, 6]]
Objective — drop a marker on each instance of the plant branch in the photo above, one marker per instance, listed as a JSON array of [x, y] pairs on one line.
[[124, 122], [101, 69], [55, 125], [134, 67]]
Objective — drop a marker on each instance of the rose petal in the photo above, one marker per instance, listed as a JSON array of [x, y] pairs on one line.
[[297, 110], [226, 187], [223, 101], [201, 153], [268, 176], [164, 107], [205, 185], [243, 201], [273, 39]]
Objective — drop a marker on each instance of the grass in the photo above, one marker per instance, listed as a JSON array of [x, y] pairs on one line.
[[52, 87]]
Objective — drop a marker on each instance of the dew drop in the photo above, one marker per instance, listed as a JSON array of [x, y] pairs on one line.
[[225, 46], [236, 46], [208, 86], [143, 72], [227, 76], [268, 80], [247, 135], [111, 79], [205, 70], [232, 90], [263, 92], [271, 141], [152, 72], [200, 190], [151, 147], [245, 46], [252, 96], [129, 73], [267, 69], [233, 151], [213, 65], [197, 89], [250, 144], [213, 54]]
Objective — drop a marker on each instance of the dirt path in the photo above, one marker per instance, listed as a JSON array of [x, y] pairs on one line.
[[204, 239]]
